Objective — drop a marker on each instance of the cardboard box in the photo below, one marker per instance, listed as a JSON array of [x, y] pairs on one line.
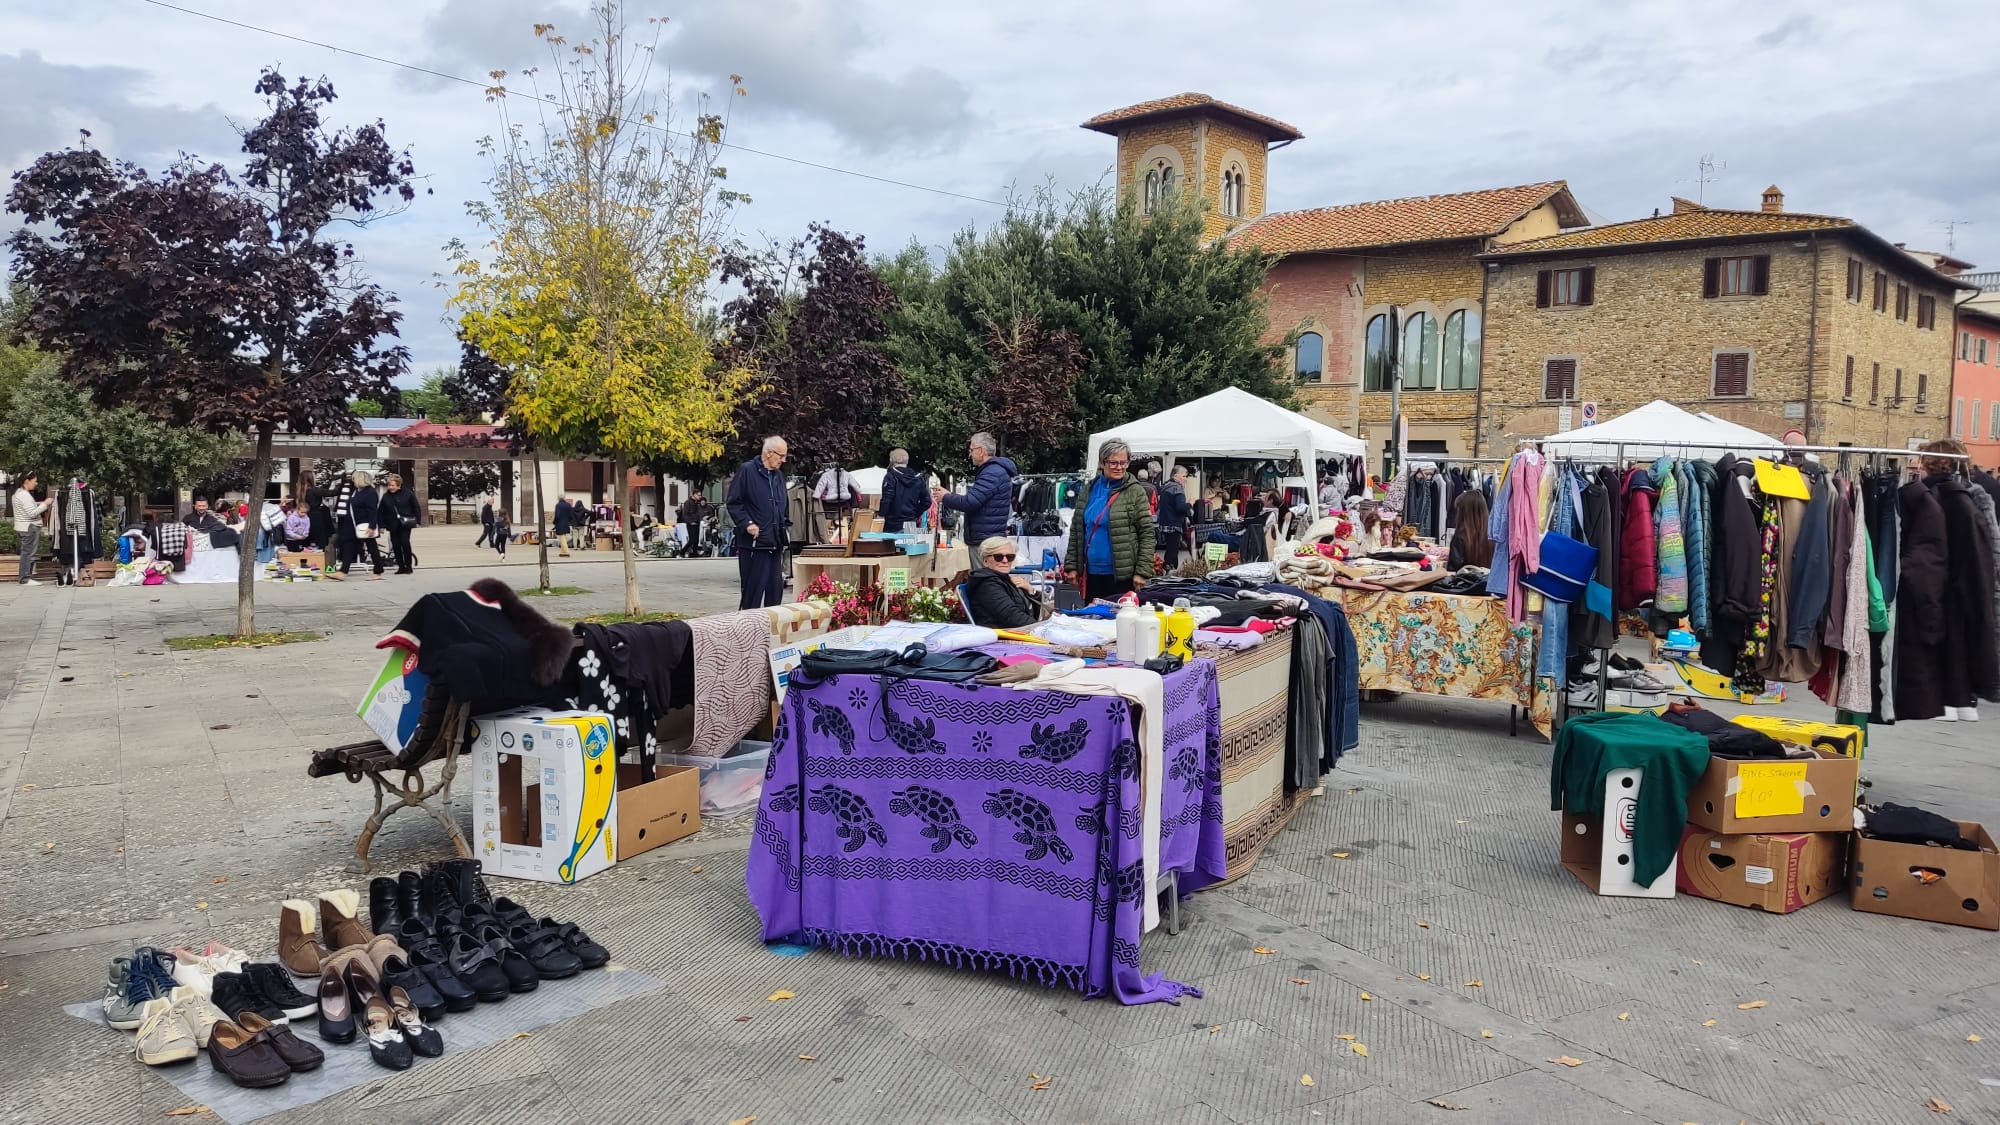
[[303, 560], [1964, 887], [1776, 874], [659, 811], [394, 701], [1840, 738], [1603, 860], [1736, 797], [604, 543], [545, 794]]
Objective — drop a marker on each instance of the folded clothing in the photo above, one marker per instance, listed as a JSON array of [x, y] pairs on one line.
[[1725, 739], [1227, 638], [1906, 824]]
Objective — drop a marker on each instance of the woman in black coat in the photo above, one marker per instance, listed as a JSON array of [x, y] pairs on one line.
[[357, 520], [995, 598], [319, 514]]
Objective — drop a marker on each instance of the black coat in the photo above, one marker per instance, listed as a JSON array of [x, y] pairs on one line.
[[757, 495], [365, 506], [1735, 564], [1972, 664], [996, 603], [400, 509], [1174, 509], [486, 515], [1921, 633], [904, 497]]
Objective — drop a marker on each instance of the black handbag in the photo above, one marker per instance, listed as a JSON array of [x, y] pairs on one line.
[[913, 663]]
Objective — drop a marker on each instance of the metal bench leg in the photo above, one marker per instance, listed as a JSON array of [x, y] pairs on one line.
[[414, 793], [1170, 885]]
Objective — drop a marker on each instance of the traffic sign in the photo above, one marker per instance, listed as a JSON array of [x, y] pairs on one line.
[[1590, 414]]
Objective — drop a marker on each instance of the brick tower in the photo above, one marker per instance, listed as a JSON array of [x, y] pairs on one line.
[[1192, 142]]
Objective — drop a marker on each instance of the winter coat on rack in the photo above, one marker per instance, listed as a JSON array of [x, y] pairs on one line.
[[1811, 568], [1671, 597], [1735, 554], [1638, 557], [1587, 629], [1785, 661], [1697, 499], [1991, 511], [1924, 562], [1970, 668]]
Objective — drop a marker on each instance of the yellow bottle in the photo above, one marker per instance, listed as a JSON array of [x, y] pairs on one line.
[[1179, 631]]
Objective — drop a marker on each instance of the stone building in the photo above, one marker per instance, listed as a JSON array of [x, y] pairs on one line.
[[1194, 143], [1769, 318]]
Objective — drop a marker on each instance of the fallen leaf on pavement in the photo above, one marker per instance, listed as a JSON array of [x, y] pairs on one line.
[[1624, 1015], [1214, 1029], [808, 1058], [1360, 1049], [1968, 1039], [1485, 1034], [1300, 980], [1366, 998], [28, 788], [201, 904], [1443, 1104], [1475, 982], [1340, 855], [1305, 1079], [1566, 1060], [523, 1034], [1423, 925], [187, 1111], [1752, 1005], [1938, 1105], [1037, 1082], [781, 994], [1423, 976], [1708, 1023], [695, 870], [742, 1019], [1263, 951], [744, 1121], [220, 879], [1348, 1038]]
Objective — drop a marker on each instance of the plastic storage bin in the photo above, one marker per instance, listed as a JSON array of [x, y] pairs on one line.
[[730, 785]]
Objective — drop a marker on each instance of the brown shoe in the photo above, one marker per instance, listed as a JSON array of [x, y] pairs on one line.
[[247, 1058], [298, 1054], [298, 948], [340, 922]]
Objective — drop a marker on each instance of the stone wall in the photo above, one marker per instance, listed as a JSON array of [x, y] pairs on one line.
[[1855, 328], [1320, 293], [1435, 279]]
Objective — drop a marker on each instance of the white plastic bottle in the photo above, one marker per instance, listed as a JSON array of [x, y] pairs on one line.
[[1127, 623], [1149, 629]]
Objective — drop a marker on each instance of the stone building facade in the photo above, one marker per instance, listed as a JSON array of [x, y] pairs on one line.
[[1192, 143], [1771, 319]]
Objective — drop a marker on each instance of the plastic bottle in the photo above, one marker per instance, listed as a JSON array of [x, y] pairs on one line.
[[1180, 630], [1148, 635], [1127, 623]]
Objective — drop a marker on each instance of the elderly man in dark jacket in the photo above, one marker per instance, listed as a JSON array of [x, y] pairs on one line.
[[989, 503], [756, 504], [904, 496]]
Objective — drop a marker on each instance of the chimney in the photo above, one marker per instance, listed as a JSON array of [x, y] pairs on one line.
[[1774, 200], [1681, 205]]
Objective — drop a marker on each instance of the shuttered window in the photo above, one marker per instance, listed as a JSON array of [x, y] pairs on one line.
[[1854, 280], [1881, 291], [1923, 391], [1993, 424], [1927, 312], [1896, 394], [1847, 387], [1732, 375], [1902, 301], [1747, 276], [1874, 384], [1566, 288], [1559, 379]]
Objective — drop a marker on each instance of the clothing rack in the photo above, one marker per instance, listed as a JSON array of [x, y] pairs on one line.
[[1618, 513]]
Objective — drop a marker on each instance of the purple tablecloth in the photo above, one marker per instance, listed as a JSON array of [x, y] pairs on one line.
[[981, 826]]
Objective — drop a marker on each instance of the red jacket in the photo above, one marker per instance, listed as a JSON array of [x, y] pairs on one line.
[[1638, 568]]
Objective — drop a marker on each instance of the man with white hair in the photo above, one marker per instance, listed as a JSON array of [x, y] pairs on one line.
[[988, 503], [904, 497], [756, 503]]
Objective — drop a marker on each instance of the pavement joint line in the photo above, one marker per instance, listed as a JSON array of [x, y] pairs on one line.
[[10, 772]]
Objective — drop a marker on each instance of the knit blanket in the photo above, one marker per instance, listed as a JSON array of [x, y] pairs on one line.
[[984, 827], [732, 679]]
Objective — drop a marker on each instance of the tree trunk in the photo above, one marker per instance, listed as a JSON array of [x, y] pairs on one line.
[[246, 551], [624, 494], [541, 527]]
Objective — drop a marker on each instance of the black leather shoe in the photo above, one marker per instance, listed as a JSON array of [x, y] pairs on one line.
[[545, 950], [428, 955], [399, 973], [336, 1011], [384, 915], [462, 877], [478, 965], [521, 974], [593, 955], [409, 898], [234, 994], [274, 984]]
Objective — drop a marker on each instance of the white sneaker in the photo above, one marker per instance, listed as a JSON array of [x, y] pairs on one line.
[[164, 1035], [1950, 715], [223, 959], [195, 1009], [1968, 714], [31, 582], [192, 970]]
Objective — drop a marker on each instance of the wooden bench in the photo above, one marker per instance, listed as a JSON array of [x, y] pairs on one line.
[[444, 732]]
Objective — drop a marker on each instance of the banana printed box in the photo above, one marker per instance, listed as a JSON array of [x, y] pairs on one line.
[[544, 794]]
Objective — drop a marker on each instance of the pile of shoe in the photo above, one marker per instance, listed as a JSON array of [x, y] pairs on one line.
[[1628, 684], [183, 1002]]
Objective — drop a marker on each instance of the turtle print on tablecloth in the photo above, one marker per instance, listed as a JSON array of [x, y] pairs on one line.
[[939, 814], [1036, 823], [1091, 819], [830, 722], [917, 736], [1125, 759], [1186, 768], [855, 821], [786, 799], [1055, 745]]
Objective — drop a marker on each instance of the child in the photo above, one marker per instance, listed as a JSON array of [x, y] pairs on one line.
[[503, 530]]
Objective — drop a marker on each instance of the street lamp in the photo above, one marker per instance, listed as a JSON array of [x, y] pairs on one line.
[[1392, 363]]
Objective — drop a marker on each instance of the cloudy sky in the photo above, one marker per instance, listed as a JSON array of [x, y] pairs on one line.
[[1881, 112]]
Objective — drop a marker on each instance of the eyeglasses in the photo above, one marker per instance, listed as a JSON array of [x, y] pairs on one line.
[[1116, 464], [1001, 558]]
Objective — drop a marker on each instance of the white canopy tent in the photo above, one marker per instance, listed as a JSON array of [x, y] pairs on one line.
[[1231, 423], [1752, 439], [1655, 428]]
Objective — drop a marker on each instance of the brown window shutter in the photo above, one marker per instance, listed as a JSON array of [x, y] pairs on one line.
[[1760, 278], [1541, 289], [1559, 379], [1732, 374], [1847, 388], [1711, 277], [1587, 289]]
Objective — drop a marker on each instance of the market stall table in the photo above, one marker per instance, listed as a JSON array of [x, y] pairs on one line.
[[987, 827], [937, 567], [1446, 644]]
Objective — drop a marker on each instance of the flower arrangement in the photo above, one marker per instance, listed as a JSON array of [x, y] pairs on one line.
[[851, 606], [922, 603]]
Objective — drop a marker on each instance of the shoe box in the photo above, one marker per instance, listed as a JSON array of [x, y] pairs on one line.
[[545, 794], [1598, 849], [303, 560], [1840, 738], [1959, 888], [395, 699], [1771, 797], [1773, 873]]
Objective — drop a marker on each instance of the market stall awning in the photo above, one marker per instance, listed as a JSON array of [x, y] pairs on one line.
[[1230, 423], [1655, 428]]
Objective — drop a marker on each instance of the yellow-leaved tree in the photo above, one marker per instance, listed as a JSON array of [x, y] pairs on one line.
[[603, 228]]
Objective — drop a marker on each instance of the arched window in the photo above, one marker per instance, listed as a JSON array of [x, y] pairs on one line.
[[1420, 352], [1232, 191], [1375, 354], [1308, 357], [1460, 354], [1168, 181], [1152, 197]]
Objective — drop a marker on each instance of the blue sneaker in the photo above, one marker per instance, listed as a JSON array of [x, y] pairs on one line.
[[128, 988]]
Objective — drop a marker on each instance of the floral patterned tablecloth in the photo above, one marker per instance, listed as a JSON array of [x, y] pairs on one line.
[[1447, 644]]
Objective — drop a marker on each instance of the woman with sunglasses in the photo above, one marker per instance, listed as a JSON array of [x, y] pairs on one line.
[[995, 597]]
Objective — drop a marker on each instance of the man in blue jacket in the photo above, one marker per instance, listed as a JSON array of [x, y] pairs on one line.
[[756, 503], [989, 503], [904, 497]]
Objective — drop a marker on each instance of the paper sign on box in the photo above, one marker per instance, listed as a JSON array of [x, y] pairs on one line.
[[1770, 789]]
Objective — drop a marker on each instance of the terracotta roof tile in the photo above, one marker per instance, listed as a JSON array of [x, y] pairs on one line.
[[1113, 120], [1681, 226], [1427, 218]]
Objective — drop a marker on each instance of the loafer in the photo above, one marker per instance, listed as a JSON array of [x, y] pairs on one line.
[[422, 1038], [479, 967], [336, 1008], [164, 1037], [245, 1057], [298, 1054], [386, 1044], [271, 981], [545, 950], [591, 954]]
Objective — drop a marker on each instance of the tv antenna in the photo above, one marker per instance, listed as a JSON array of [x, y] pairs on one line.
[[1951, 232], [1705, 170]]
